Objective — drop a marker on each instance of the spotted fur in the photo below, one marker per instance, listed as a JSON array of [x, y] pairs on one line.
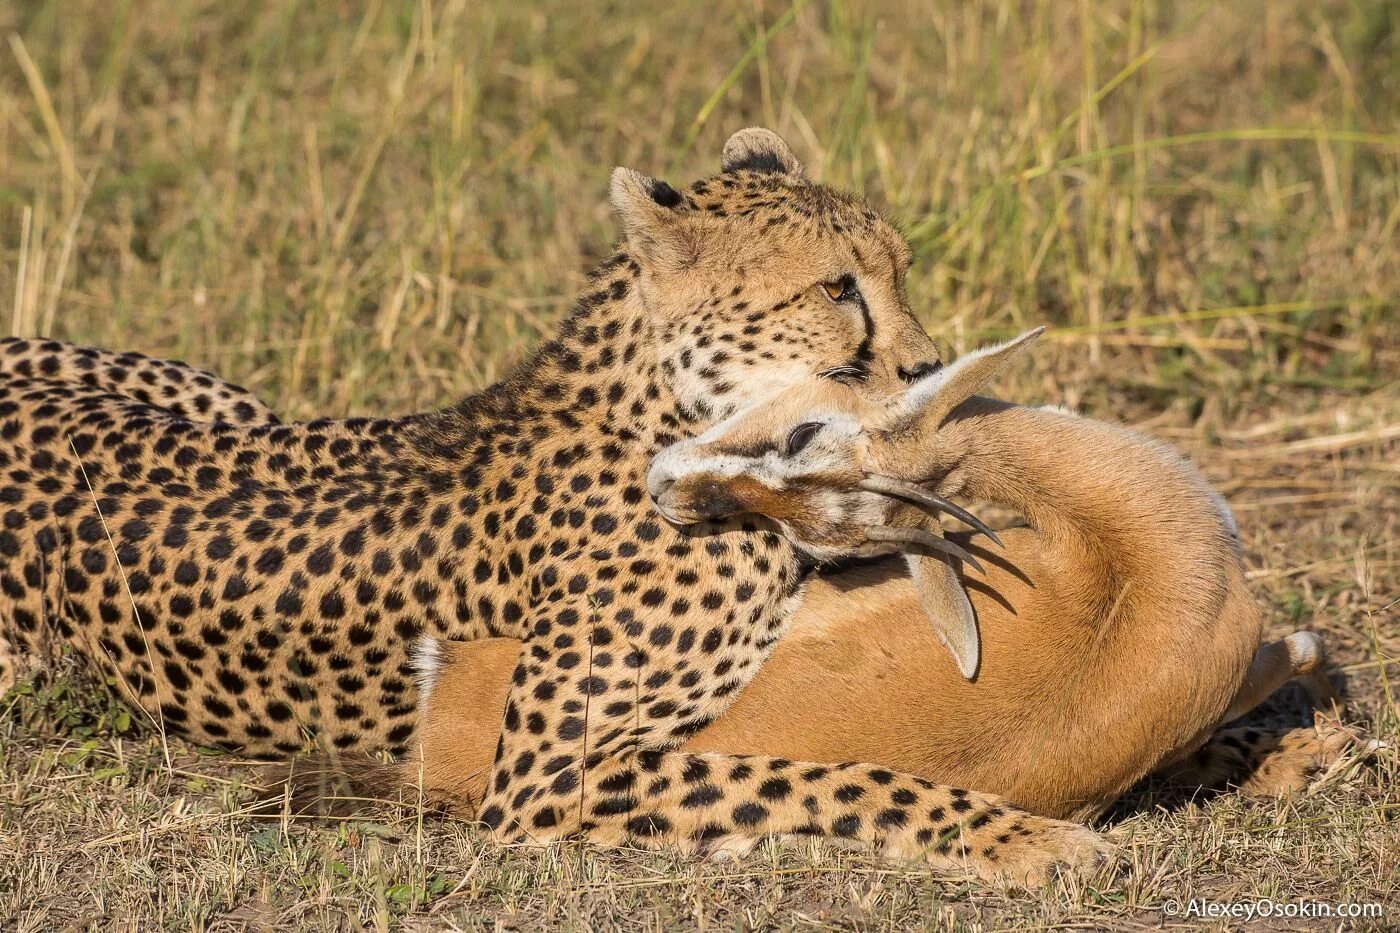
[[1118, 626], [181, 390], [256, 585]]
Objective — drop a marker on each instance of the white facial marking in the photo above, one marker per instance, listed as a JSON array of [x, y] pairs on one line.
[[773, 467]]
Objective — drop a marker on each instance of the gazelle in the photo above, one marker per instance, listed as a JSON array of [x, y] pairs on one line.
[[1107, 639]]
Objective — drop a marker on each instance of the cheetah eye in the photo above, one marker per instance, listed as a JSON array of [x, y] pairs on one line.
[[842, 289], [801, 436]]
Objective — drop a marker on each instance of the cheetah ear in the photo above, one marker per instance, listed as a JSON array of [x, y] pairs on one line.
[[759, 150], [652, 215]]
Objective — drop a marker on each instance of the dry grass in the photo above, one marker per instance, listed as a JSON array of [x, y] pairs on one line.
[[375, 207]]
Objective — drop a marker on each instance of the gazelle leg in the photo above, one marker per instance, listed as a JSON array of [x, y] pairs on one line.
[[1272, 761], [1300, 655]]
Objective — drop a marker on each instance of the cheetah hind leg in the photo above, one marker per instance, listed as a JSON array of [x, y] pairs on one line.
[[9, 665], [176, 387], [1266, 762]]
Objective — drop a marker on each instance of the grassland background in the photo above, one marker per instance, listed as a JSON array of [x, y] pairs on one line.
[[374, 207]]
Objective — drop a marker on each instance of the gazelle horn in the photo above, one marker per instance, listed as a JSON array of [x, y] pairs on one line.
[[889, 486]]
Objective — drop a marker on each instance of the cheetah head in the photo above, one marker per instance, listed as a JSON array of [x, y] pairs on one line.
[[758, 278]]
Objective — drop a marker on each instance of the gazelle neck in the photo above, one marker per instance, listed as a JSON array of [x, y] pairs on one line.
[[1108, 502]]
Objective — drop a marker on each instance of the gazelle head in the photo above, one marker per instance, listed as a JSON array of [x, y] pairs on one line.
[[844, 475]]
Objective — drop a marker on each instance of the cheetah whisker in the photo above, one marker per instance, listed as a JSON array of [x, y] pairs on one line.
[[884, 534], [902, 489]]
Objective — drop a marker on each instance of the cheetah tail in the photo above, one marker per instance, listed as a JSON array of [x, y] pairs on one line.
[[341, 787]]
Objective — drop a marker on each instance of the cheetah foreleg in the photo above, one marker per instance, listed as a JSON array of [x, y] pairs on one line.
[[721, 804]]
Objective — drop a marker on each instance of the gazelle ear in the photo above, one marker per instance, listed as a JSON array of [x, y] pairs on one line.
[[932, 398], [948, 608], [759, 150], [652, 214]]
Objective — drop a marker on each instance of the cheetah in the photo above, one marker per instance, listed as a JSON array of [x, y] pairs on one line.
[[177, 388], [180, 389], [257, 587]]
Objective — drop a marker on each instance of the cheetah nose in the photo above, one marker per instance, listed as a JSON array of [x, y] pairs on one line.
[[920, 370]]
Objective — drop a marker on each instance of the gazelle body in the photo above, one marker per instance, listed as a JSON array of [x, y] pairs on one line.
[[1115, 631]]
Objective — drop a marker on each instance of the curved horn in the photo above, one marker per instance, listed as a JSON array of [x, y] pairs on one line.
[[889, 486], [884, 534]]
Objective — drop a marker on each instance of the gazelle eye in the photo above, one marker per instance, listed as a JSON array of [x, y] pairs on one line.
[[801, 436], [840, 289]]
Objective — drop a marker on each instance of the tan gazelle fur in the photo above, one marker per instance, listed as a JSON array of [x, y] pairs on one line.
[[1116, 631]]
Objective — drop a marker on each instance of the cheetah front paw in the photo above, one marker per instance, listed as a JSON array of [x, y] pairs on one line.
[[1020, 848]]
